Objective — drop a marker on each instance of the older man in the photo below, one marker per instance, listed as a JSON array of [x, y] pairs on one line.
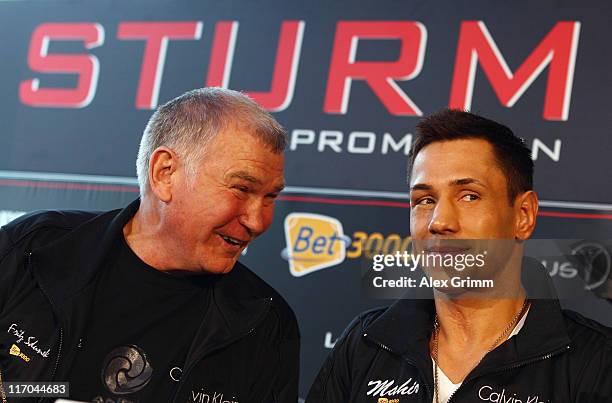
[[471, 186], [149, 304]]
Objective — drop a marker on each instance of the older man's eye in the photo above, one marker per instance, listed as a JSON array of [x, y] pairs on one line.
[[470, 197], [270, 199], [240, 188]]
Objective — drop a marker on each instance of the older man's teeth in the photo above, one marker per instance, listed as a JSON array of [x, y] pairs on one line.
[[231, 240]]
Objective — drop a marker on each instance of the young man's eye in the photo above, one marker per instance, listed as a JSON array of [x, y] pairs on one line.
[[423, 201]]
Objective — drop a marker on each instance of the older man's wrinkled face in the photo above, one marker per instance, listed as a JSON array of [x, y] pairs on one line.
[[228, 203]]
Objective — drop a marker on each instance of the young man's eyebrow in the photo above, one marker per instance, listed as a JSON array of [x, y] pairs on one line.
[[467, 181], [455, 182], [421, 186]]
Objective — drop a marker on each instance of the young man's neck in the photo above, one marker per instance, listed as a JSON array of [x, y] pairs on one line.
[[475, 323], [477, 317]]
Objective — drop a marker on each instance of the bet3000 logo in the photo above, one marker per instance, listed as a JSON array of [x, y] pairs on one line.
[[314, 242]]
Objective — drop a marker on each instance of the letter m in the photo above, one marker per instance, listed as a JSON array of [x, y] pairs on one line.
[[380, 387], [557, 51]]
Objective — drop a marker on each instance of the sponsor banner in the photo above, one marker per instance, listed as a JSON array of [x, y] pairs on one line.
[[349, 84]]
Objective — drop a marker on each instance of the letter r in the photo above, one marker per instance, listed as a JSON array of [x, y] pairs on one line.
[[380, 76]]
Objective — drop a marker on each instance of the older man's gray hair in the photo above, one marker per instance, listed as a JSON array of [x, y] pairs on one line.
[[187, 123]]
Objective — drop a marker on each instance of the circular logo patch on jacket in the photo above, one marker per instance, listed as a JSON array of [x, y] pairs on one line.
[[126, 370]]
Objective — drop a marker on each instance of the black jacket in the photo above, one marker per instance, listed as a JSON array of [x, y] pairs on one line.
[[247, 347], [383, 355]]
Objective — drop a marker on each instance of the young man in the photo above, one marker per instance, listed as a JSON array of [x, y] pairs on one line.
[[471, 184], [149, 304]]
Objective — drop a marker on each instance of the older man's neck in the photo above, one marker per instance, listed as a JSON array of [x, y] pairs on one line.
[[143, 234]]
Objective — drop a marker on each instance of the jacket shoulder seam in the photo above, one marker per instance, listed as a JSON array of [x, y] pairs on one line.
[[50, 223], [371, 314], [597, 329]]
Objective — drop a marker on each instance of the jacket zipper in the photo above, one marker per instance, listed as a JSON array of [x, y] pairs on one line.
[[509, 368], [61, 335], [188, 369], [428, 387]]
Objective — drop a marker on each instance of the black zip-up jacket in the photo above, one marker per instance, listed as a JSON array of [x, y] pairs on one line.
[[245, 350], [383, 357]]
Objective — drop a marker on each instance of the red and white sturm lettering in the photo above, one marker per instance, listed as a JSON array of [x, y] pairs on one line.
[[556, 53]]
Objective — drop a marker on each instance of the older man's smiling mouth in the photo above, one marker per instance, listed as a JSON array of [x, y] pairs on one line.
[[233, 241]]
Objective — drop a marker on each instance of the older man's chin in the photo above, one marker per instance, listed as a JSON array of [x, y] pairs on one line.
[[219, 267]]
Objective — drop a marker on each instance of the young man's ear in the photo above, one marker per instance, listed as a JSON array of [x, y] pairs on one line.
[[162, 165], [526, 207]]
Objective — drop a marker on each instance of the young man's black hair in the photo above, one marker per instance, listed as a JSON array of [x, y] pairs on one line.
[[511, 153]]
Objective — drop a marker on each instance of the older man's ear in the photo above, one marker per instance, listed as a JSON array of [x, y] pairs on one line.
[[163, 165]]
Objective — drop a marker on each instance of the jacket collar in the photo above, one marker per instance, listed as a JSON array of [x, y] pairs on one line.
[[65, 267], [406, 326]]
